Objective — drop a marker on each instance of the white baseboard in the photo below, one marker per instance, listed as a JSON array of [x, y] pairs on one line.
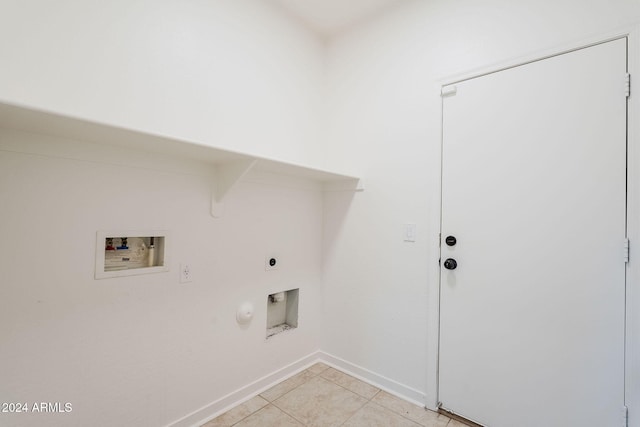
[[222, 405], [231, 400], [393, 387]]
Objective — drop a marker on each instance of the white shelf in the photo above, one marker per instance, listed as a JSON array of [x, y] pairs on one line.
[[230, 166]]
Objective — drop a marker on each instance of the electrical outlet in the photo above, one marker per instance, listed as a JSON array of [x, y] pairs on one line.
[[186, 275], [271, 262]]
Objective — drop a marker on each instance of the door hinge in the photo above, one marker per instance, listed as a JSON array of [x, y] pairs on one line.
[[627, 85], [448, 91], [625, 416], [625, 250]]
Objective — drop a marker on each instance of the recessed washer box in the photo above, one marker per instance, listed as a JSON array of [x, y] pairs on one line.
[[130, 252]]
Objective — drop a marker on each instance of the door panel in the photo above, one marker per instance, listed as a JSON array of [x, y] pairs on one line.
[[534, 190]]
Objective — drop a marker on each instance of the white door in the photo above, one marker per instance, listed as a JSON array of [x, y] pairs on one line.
[[533, 190]]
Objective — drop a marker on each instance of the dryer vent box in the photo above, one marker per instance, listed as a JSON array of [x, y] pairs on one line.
[[282, 312], [127, 253]]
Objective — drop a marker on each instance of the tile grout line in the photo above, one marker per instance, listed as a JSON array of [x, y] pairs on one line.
[[258, 410], [319, 374], [378, 404], [284, 411], [368, 400], [402, 414], [351, 391], [360, 408]]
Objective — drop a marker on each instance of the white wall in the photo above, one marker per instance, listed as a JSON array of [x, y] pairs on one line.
[[143, 350], [384, 120], [236, 74]]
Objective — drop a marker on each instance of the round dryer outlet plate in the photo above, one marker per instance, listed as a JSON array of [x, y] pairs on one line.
[[271, 263]]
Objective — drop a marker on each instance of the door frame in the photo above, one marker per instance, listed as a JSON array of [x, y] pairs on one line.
[[632, 320]]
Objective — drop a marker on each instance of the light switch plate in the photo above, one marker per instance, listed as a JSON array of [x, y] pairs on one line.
[[409, 232]]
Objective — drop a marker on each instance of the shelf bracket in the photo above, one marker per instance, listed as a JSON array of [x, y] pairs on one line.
[[226, 177], [354, 184]]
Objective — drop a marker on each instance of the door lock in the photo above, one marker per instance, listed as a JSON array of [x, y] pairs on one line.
[[450, 264], [450, 240]]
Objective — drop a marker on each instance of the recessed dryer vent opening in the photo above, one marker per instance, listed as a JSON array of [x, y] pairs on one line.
[[282, 312]]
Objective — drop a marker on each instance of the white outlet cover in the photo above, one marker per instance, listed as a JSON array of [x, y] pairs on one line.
[[186, 273]]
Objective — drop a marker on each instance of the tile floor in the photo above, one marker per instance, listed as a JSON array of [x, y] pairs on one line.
[[325, 397]]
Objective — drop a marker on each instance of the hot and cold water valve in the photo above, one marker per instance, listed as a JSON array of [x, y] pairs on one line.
[[121, 253], [125, 253]]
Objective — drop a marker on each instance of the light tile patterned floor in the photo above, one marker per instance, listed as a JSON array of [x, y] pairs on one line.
[[325, 397]]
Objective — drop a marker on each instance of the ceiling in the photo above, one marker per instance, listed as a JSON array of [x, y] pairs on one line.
[[328, 17]]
